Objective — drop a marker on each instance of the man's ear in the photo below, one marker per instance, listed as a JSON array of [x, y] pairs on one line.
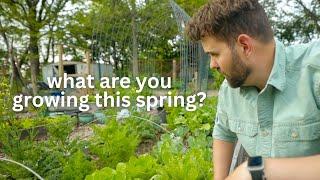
[[245, 43]]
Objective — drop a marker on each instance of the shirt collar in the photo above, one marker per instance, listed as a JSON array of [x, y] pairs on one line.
[[277, 76]]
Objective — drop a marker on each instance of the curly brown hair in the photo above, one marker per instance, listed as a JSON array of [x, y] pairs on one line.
[[227, 19]]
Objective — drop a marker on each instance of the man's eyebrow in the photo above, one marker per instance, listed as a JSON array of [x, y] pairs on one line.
[[212, 52]]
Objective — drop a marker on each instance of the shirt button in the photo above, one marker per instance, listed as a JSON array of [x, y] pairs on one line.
[[294, 135], [265, 133]]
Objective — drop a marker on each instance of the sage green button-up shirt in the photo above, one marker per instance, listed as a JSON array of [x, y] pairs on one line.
[[283, 120]]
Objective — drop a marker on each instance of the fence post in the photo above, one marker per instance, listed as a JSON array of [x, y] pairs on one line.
[[88, 68], [61, 70], [174, 70], [88, 62]]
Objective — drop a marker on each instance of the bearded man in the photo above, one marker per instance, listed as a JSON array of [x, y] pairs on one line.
[[270, 101]]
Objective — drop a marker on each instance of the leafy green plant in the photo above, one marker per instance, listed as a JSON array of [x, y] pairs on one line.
[[113, 143], [60, 127], [188, 166], [27, 123], [15, 149], [200, 120], [144, 124], [6, 100], [181, 162], [143, 167], [38, 155], [77, 167], [106, 173], [46, 157]]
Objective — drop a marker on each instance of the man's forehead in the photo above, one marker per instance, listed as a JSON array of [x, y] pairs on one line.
[[212, 44], [210, 38]]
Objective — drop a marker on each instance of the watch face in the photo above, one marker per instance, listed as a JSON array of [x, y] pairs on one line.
[[255, 161]]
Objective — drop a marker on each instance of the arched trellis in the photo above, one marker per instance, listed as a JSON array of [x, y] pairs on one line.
[[144, 36]]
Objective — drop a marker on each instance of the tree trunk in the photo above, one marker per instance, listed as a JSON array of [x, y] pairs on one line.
[[114, 55], [45, 60], [16, 82], [6, 60], [34, 59]]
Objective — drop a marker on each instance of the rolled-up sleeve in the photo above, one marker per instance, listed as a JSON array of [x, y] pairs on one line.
[[221, 129]]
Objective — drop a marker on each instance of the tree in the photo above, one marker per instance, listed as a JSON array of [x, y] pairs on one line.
[[299, 21], [305, 23], [32, 16], [191, 7]]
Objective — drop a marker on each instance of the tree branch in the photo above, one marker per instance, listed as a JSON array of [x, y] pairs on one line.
[[21, 6], [310, 14], [5, 38], [43, 6]]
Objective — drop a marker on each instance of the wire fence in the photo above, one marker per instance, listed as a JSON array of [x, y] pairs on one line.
[[121, 40]]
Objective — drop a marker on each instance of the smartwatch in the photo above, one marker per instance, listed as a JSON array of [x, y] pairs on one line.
[[256, 167]]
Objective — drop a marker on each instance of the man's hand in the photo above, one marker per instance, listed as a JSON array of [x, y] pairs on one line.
[[240, 173]]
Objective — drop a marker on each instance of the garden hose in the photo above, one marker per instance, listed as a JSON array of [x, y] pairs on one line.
[[27, 168]]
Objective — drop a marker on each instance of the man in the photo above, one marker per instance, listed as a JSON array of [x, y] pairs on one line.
[[270, 101]]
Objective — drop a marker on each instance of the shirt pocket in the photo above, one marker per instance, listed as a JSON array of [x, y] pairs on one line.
[[246, 133], [298, 140]]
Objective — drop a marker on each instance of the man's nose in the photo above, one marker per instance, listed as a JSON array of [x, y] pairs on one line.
[[213, 64]]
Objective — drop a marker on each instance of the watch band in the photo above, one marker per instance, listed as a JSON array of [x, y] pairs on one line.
[[257, 175], [256, 168]]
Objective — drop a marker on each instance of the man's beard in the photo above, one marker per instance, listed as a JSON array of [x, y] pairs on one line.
[[239, 71]]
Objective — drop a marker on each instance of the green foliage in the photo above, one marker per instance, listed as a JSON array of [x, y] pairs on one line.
[[297, 22], [218, 79], [113, 146], [113, 143], [143, 167], [170, 160], [6, 100], [45, 157], [189, 166], [199, 120], [60, 127], [9, 137], [191, 7], [105, 173], [34, 154], [77, 167], [181, 162], [184, 154], [144, 124]]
